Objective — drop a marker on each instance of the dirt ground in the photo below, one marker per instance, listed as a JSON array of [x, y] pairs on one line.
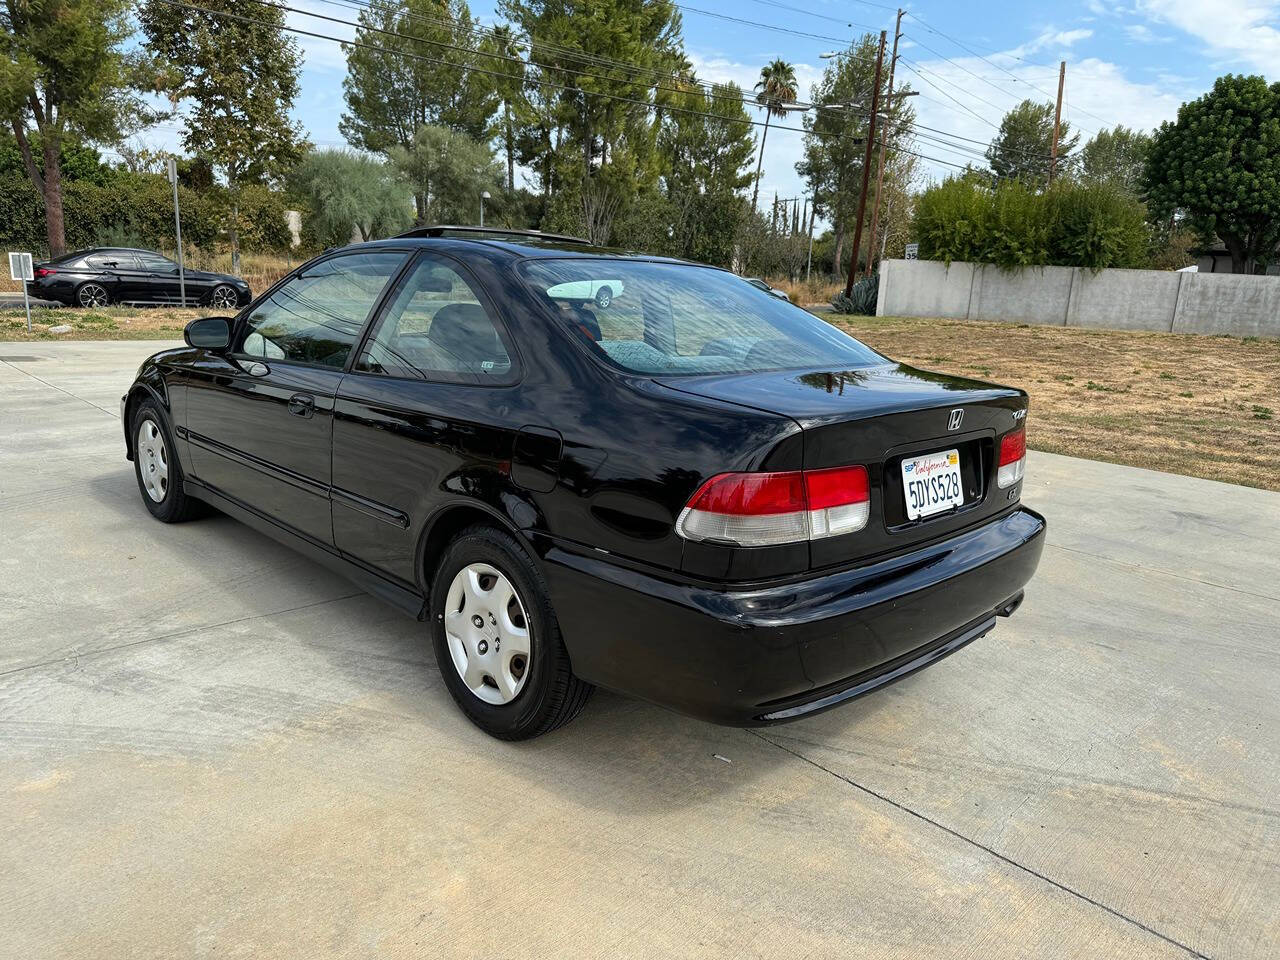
[[1200, 406], [1195, 405]]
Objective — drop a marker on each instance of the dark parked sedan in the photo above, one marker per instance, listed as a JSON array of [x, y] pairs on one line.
[[702, 496], [106, 275]]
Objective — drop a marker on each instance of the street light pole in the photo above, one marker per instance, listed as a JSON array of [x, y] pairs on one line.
[[177, 229], [866, 167]]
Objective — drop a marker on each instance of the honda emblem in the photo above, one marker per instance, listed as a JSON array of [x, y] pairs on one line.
[[953, 422]]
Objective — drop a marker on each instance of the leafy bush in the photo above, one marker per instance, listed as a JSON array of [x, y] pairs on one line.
[[1012, 225], [862, 299]]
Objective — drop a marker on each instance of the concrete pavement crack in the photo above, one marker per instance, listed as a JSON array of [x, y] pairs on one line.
[[53, 386], [77, 657], [1160, 571], [1191, 951]]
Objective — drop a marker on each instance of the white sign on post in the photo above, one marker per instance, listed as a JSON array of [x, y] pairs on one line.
[[21, 268], [912, 252]]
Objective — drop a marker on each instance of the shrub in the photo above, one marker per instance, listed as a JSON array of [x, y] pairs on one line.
[[1012, 225], [862, 298]]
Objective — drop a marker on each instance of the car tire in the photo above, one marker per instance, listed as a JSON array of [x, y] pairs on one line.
[[604, 297], [156, 467], [528, 699], [92, 295], [224, 297]]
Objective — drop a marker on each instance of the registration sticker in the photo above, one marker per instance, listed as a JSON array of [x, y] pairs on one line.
[[931, 483]]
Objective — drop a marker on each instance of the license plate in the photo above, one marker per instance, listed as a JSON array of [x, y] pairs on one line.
[[931, 484]]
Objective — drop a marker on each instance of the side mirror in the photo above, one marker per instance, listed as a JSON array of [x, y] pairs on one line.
[[210, 333]]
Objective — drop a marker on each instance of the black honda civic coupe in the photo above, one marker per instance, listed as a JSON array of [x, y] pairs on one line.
[[700, 495], [105, 275]]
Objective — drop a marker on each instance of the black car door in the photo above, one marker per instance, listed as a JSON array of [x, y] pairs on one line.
[[159, 281], [132, 280], [259, 418], [430, 408]]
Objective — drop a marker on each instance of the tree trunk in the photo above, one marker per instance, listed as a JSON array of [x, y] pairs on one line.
[[839, 253], [28, 161], [755, 194], [511, 156], [235, 233], [53, 198], [1240, 259]]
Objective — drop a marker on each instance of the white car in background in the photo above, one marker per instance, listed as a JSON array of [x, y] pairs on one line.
[[602, 292]]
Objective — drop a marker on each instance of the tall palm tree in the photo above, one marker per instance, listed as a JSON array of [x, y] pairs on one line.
[[775, 89]]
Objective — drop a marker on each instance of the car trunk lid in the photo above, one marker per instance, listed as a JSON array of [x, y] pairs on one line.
[[881, 417]]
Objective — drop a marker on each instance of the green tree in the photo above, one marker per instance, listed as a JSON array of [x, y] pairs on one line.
[[233, 61], [391, 91], [1116, 157], [595, 69], [705, 147], [509, 91], [347, 191], [1021, 148], [65, 77], [449, 171], [1219, 164], [776, 87]]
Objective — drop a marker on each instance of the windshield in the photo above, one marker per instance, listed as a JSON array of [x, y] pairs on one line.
[[671, 318]]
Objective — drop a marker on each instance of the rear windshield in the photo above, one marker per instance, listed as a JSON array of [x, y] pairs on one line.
[[668, 318]]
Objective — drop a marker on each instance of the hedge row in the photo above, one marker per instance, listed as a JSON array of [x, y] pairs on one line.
[[1012, 225], [137, 210]]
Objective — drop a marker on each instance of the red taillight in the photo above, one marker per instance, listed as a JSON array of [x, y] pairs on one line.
[[1013, 457], [757, 509], [44, 272], [1013, 446]]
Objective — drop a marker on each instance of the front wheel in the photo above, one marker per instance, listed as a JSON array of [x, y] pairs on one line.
[[92, 295], [224, 297], [497, 641], [604, 297], [156, 467]]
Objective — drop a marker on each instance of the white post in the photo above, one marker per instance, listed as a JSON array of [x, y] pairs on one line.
[[177, 229], [26, 302]]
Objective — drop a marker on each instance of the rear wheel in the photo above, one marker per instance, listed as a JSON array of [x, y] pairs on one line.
[[497, 641], [224, 297], [157, 469], [92, 295], [604, 297]]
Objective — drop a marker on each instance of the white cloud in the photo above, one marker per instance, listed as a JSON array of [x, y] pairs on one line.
[[1141, 33], [1241, 32], [322, 56]]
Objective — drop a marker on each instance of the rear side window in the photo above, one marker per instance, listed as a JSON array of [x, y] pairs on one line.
[[316, 316], [112, 261], [436, 328], [669, 318]]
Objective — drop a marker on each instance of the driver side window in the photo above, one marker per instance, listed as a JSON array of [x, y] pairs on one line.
[[316, 316]]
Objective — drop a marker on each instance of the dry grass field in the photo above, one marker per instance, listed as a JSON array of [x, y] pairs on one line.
[[1201, 406]]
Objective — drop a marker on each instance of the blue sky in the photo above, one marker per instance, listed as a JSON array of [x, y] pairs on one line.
[[1130, 64]]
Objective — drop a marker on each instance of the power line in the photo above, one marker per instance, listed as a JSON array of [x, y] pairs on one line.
[[772, 28]]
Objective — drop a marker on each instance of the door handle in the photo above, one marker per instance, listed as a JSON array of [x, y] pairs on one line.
[[302, 405]]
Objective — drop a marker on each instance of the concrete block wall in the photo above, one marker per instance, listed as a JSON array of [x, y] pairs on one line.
[[1207, 303]]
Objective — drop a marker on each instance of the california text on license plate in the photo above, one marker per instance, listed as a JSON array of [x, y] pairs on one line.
[[932, 483]]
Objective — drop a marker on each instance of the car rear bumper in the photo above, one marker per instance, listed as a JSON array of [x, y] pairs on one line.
[[750, 657]]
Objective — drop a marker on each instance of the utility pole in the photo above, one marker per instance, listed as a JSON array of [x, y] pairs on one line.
[[1057, 121], [884, 142], [813, 213], [866, 167]]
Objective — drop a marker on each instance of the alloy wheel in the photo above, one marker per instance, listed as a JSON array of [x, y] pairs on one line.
[[153, 460], [93, 295], [224, 297], [488, 633]]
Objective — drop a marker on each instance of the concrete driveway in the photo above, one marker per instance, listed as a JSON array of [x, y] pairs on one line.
[[211, 747]]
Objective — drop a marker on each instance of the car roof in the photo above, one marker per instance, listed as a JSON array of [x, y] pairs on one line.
[[517, 244]]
